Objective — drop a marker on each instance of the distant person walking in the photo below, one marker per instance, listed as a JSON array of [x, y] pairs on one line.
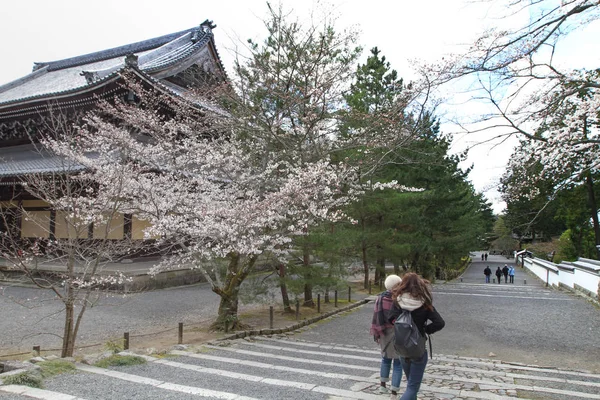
[[485, 256], [498, 274], [383, 333], [414, 295], [482, 256], [511, 274], [505, 273], [487, 272]]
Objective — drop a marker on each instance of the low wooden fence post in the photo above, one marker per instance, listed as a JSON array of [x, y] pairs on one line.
[[319, 303], [335, 299]]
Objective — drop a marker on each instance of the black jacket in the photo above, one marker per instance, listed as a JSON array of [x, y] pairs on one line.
[[420, 316], [487, 271], [498, 272], [505, 270]]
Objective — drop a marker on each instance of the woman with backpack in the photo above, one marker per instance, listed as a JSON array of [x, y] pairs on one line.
[[413, 295], [383, 333]]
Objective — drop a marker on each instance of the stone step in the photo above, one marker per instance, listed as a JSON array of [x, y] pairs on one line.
[[283, 368], [448, 362], [494, 375], [14, 392]]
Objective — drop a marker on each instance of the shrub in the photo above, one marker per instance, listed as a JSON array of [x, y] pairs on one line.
[[55, 367], [115, 346], [24, 378], [119, 361]]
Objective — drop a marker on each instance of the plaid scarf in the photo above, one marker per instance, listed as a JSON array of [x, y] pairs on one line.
[[383, 305]]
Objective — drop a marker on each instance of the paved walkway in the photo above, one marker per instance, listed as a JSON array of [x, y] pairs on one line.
[[290, 367], [501, 341]]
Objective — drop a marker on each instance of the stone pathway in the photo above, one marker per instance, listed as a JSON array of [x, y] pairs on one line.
[[540, 353], [282, 367]]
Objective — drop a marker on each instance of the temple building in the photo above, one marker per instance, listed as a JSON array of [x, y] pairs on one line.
[[170, 64]]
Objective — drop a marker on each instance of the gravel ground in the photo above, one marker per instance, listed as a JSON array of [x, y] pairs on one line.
[[98, 387], [36, 317]]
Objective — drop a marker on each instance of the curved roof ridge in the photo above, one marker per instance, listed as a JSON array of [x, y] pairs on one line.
[[114, 52]]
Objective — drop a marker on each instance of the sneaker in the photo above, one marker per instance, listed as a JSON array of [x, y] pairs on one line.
[[383, 390]]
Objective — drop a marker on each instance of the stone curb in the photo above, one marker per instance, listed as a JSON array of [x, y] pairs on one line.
[[276, 331], [586, 294]]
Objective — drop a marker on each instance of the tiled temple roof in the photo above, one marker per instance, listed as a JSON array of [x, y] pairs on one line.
[[29, 159], [154, 57], [80, 81], [116, 52]]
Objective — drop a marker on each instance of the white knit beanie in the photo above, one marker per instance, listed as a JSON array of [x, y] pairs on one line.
[[392, 281]]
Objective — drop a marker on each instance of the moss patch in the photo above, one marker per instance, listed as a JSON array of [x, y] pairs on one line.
[[119, 361], [56, 367], [24, 378]]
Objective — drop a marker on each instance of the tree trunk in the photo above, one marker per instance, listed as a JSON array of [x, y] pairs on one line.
[[589, 183], [365, 265], [308, 296], [284, 294], [396, 268], [415, 263], [381, 268], [227, 318], [68, 343]]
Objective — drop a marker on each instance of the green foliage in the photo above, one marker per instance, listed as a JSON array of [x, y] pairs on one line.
[[56, 367], [291, 87], [115, 346], [541, 208], [118, 361], [573, 244], [24, 378], [530, 209], [504, 239], [425, 231]]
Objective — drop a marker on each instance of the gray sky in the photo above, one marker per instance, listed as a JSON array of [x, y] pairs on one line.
[[42, 30]]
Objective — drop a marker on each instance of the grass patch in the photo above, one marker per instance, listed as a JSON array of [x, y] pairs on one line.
[[56, 367], [25, 379], [120, 361]]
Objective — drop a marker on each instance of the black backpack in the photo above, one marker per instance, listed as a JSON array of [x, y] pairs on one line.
[[408, 341]]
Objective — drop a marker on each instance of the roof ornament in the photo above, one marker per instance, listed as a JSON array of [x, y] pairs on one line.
[[203, 29], [38, 65], [208, 24], [90, 76], [131, 60]]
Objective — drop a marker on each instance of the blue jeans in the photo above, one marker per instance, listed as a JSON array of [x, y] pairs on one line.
[[386, 365], [487, 279], [414, 370]]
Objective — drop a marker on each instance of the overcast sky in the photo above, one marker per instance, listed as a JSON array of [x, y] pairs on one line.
[[43, 30]]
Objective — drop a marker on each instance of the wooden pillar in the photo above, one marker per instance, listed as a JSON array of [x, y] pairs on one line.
[[52, 225], [127, 226]]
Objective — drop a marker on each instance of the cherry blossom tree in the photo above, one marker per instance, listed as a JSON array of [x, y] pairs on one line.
[[208, 196], [75, 233], [522, 71], [287, 91]]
